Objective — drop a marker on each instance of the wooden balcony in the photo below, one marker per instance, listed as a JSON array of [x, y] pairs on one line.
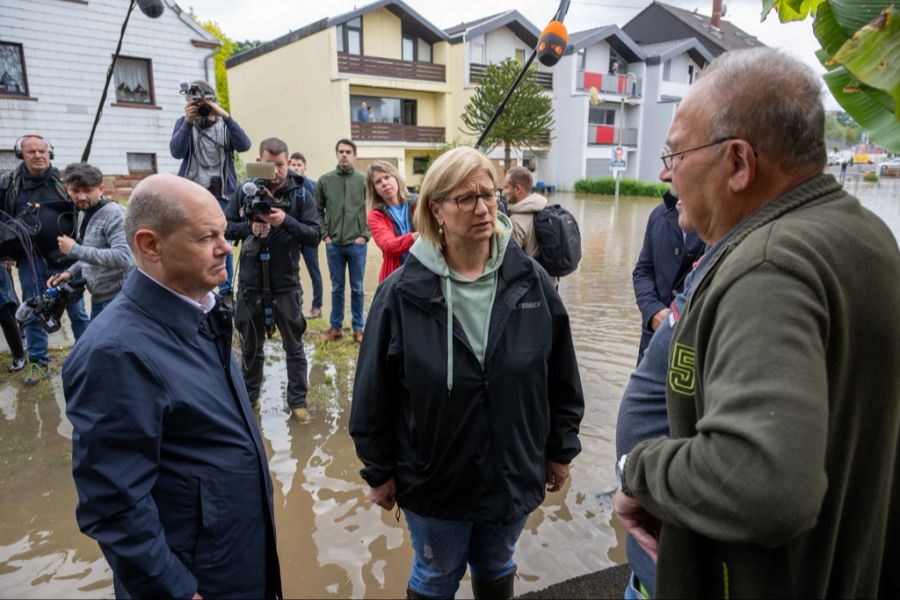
[[476, 71], [361, 64], [395, 132]]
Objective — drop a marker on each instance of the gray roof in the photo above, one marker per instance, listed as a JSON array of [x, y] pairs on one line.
[[612, 35], [413, 22], [728, 36], [522, 27], [663, 51]]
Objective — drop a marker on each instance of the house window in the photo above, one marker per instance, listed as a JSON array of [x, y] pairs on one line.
[[141, 163], [602, 116], [134, 81], [13, 81], [408, 112], [409, 48], [386, 110], [617, 64], [667, 70], [8, 161], [424, 51], [420, 164], [476, 52], [690, 73], [582, 59], [520, 56], [349, 36]]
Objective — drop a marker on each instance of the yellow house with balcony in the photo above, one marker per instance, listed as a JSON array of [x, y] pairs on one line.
[[307, 87]]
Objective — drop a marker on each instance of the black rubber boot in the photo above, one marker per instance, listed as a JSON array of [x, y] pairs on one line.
[[494, 590]]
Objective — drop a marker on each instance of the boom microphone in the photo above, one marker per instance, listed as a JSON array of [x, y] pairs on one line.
[[151, 8], [552, 43]]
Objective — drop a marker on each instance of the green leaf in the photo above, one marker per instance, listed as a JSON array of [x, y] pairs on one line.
[[829, 32], [768, 5], [790, 10], [854, 14], [872, 55], [872, 109]]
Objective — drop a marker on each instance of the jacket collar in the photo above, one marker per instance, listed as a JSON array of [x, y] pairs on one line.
[[162, 305], [670, 199]]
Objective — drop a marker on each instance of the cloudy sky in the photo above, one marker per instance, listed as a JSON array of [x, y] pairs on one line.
[[242, 19]]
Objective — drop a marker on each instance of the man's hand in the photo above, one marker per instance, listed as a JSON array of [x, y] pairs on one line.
[[360, 240], [260, 230], [385, 495], [65, 244], [275, 218], [196, 596], [190, 112], [58, 278], [557, 474], [657, 319], [639, 524]]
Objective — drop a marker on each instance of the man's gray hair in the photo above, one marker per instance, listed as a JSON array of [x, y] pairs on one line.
[[771, 100], [150, 209]]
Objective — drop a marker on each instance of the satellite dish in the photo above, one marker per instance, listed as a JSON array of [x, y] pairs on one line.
[[595, 96]]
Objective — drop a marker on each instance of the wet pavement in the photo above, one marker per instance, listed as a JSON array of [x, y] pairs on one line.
[[332, 541]]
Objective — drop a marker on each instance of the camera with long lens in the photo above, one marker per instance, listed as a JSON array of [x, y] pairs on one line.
[[49, 306], [197, 95], [258, 200]]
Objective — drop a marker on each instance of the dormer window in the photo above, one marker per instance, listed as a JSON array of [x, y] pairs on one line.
[[349, 36]]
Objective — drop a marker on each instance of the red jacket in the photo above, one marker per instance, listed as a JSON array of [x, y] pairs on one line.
[[392, 245]]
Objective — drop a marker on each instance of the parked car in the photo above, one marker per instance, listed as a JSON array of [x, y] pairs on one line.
[[890, 168], [834, 158]]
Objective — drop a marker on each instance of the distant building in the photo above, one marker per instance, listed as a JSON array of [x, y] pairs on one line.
[[661, 22], [53, 61]]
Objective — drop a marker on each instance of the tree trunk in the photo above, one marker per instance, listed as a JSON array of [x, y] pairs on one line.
[[506, 157]]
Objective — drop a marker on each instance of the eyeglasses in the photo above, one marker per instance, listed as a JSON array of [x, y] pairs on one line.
[[667, 157], [468, 202]]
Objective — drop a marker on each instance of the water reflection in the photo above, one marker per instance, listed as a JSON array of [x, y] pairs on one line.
[[332, 541]]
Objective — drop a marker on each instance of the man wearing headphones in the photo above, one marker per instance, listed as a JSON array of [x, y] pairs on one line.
[[35, 212]]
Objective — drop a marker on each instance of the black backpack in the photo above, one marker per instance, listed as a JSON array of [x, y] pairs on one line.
[[559, 240]]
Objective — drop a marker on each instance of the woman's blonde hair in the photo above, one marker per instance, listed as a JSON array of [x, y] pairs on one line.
[[373, 200], [444, 175]]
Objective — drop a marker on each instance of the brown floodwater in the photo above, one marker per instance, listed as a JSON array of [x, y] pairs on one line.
[[332, 541]]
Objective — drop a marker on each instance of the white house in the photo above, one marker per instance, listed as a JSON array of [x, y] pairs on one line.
[[54, 56]]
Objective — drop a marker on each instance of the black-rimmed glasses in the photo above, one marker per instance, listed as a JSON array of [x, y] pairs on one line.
[[468, 202], [667, 156]]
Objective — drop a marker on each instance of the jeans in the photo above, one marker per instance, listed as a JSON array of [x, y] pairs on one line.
[[250, 322], [311, 258], [36, 336], [632, 592], [442, 549], [354, 257], [97, 307], [225, 288]]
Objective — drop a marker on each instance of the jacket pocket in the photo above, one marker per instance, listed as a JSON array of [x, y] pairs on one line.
[[209, 523]]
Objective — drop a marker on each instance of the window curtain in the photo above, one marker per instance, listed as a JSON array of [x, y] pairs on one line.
[[132, 81], [12, 76]]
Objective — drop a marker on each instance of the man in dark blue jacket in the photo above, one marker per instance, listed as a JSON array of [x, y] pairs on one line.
[[666, 257], [168, 462]]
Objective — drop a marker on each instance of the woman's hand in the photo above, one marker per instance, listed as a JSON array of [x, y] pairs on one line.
[[385, 495]]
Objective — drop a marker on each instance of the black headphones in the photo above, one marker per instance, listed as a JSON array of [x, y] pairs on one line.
[[18, 145]]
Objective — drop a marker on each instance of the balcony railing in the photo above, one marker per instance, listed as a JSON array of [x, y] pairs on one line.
[[616, 85], [476, 72], [395, 132], [388, 67], [608, 135]]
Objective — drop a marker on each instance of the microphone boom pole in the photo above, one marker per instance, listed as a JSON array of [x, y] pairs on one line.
[[479, 145]]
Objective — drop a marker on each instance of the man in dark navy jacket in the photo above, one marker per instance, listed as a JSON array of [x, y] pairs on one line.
[[168, 462], [666, 257]]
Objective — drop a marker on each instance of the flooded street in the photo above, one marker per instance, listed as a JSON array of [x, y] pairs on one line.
[[332, 541]]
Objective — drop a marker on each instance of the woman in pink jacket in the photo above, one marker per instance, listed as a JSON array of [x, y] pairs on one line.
[[390, 215]]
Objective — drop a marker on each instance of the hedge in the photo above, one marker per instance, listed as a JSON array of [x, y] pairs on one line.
[[627, 187]]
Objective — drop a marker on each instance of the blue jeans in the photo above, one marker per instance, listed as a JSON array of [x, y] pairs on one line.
[[311, 258], [444, 547], [631, 590], [97, 307], [354, 257], [225, 288], [36, 337]]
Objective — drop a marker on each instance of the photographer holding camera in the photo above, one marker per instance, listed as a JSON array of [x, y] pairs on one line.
[[104, 258], [274, 217], [35, 211]]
